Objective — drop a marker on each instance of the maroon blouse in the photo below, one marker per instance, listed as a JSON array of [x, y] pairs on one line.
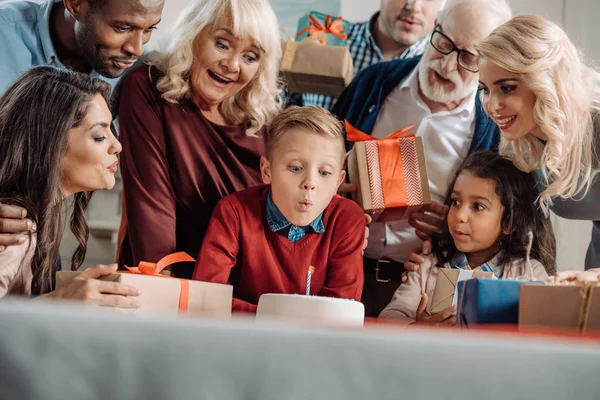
[[176, 165]]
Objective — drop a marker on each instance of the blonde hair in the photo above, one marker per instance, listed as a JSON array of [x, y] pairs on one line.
[[566, 98], [260, 99], [310, 119]]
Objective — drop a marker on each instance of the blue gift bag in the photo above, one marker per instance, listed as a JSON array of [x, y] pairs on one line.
[[488, 301]]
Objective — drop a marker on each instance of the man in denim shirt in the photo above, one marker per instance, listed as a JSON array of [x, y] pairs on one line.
[[100, 37]]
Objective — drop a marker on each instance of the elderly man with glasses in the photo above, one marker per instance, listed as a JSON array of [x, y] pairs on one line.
[[438, 94]]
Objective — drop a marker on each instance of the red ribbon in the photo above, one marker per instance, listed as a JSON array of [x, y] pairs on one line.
[[335, 28], [391, 167], [154, 269]]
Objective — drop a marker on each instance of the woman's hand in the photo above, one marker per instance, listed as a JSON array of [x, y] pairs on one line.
[[442, 318], [571, 276], [88, 288]]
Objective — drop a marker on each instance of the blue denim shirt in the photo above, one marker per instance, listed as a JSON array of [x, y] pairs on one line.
[[25, 40], [279, 223]]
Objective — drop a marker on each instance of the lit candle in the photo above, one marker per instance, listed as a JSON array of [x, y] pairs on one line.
[[310, 271]]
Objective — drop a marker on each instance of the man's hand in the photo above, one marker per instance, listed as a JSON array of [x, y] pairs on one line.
[[442, 318], [349, 188], [368, 220], [416, 258], [429, 219], [87, 288], [13, 225], [345, 188]]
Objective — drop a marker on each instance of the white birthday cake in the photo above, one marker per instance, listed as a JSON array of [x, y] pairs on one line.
[[326, 310]]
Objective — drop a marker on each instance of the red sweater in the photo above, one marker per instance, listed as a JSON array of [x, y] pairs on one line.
[[239, 248]]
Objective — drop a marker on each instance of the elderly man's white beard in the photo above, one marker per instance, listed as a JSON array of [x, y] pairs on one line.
[[439, 93]]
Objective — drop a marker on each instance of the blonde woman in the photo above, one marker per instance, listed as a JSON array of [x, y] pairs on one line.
[[544, 99], [191, 124], [536, 87]]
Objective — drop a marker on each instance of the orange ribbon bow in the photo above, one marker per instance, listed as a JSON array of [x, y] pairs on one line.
[[391, 166], [154, 269], [316, 28]]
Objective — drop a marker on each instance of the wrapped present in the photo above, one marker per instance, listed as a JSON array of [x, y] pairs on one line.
[[328, 30], [446, 290], [309, 67], [165, 294], [487, 301], [390, 174], [574, 306]]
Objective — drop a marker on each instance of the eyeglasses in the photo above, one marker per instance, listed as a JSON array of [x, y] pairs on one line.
[[445, 46]]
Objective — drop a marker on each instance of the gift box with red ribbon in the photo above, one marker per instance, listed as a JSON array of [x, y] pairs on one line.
[[390, 174], [328, 30], [165, 294], [318, 61]]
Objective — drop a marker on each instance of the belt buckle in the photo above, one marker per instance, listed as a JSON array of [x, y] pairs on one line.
[[377, 271]]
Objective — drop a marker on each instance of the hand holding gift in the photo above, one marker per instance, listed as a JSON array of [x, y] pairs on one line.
[[446, 316], [390, 174], [89, 287], [158, 293], [581, 276]]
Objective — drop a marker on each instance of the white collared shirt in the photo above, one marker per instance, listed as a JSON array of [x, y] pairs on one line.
[[446, 137]]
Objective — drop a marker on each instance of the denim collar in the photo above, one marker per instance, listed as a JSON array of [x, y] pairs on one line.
[[459, 261], [277, 221]]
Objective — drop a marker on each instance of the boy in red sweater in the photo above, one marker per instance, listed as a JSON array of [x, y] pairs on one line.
[[265, 238]]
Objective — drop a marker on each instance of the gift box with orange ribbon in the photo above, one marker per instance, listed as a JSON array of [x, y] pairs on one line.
[[318, 60], [165, 294], [390, 174], [328, 30]]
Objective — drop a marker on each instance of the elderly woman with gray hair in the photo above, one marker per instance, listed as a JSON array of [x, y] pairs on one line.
[[191, 124]]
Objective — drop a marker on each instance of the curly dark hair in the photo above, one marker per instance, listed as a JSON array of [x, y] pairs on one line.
[[518, 193]]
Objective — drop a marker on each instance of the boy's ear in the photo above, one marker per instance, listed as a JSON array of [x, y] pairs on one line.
[[265, 170], [342, 177]]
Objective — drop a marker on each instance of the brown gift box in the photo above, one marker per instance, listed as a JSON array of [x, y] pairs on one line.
[[365, 172], [160, 294], [572, 306], [445, 286], [310, 67]]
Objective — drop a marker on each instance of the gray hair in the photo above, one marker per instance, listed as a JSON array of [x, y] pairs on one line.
[[498, 8]]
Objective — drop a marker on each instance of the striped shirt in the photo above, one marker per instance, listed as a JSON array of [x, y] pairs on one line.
[[364, 52]]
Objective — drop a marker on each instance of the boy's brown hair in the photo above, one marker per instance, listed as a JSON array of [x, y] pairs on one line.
[[313, 119]]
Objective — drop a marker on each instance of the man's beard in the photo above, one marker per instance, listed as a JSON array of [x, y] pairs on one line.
[[439, 93], [92, 54]]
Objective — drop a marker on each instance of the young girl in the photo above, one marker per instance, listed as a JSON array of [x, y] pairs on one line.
[[535, 85], [492, 209]]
